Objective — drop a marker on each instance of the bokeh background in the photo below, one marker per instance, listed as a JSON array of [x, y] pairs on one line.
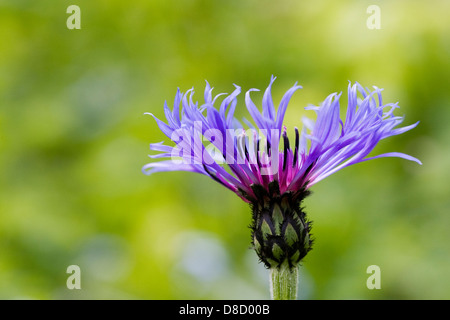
[[74, 137]]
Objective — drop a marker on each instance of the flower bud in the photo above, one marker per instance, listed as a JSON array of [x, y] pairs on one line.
[[280, 232]]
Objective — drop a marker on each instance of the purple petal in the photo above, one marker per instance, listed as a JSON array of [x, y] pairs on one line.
[[176, 107], [226, 102], [254, 112], [402, 130], [166, 129], [160, 147], [394, 154], [268, 107], [283, 105], [169, 165]]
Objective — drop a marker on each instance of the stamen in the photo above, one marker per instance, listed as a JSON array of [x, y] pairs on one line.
[[212, 175], [296, 147], [257, 154], [309, 169], [286, 148], [246, 151]]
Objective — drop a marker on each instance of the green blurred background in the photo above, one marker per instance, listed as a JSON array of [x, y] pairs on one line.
[[73, 139]]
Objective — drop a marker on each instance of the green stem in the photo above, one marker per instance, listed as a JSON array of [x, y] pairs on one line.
[[284, 282]]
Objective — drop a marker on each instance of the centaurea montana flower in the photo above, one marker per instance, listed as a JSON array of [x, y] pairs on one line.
[[274, 177]]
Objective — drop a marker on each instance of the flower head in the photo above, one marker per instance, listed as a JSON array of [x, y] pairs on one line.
[[335, 143], [266, 168]]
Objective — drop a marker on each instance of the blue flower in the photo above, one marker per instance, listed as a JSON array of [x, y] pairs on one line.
[[260, 164], [335, 143]]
